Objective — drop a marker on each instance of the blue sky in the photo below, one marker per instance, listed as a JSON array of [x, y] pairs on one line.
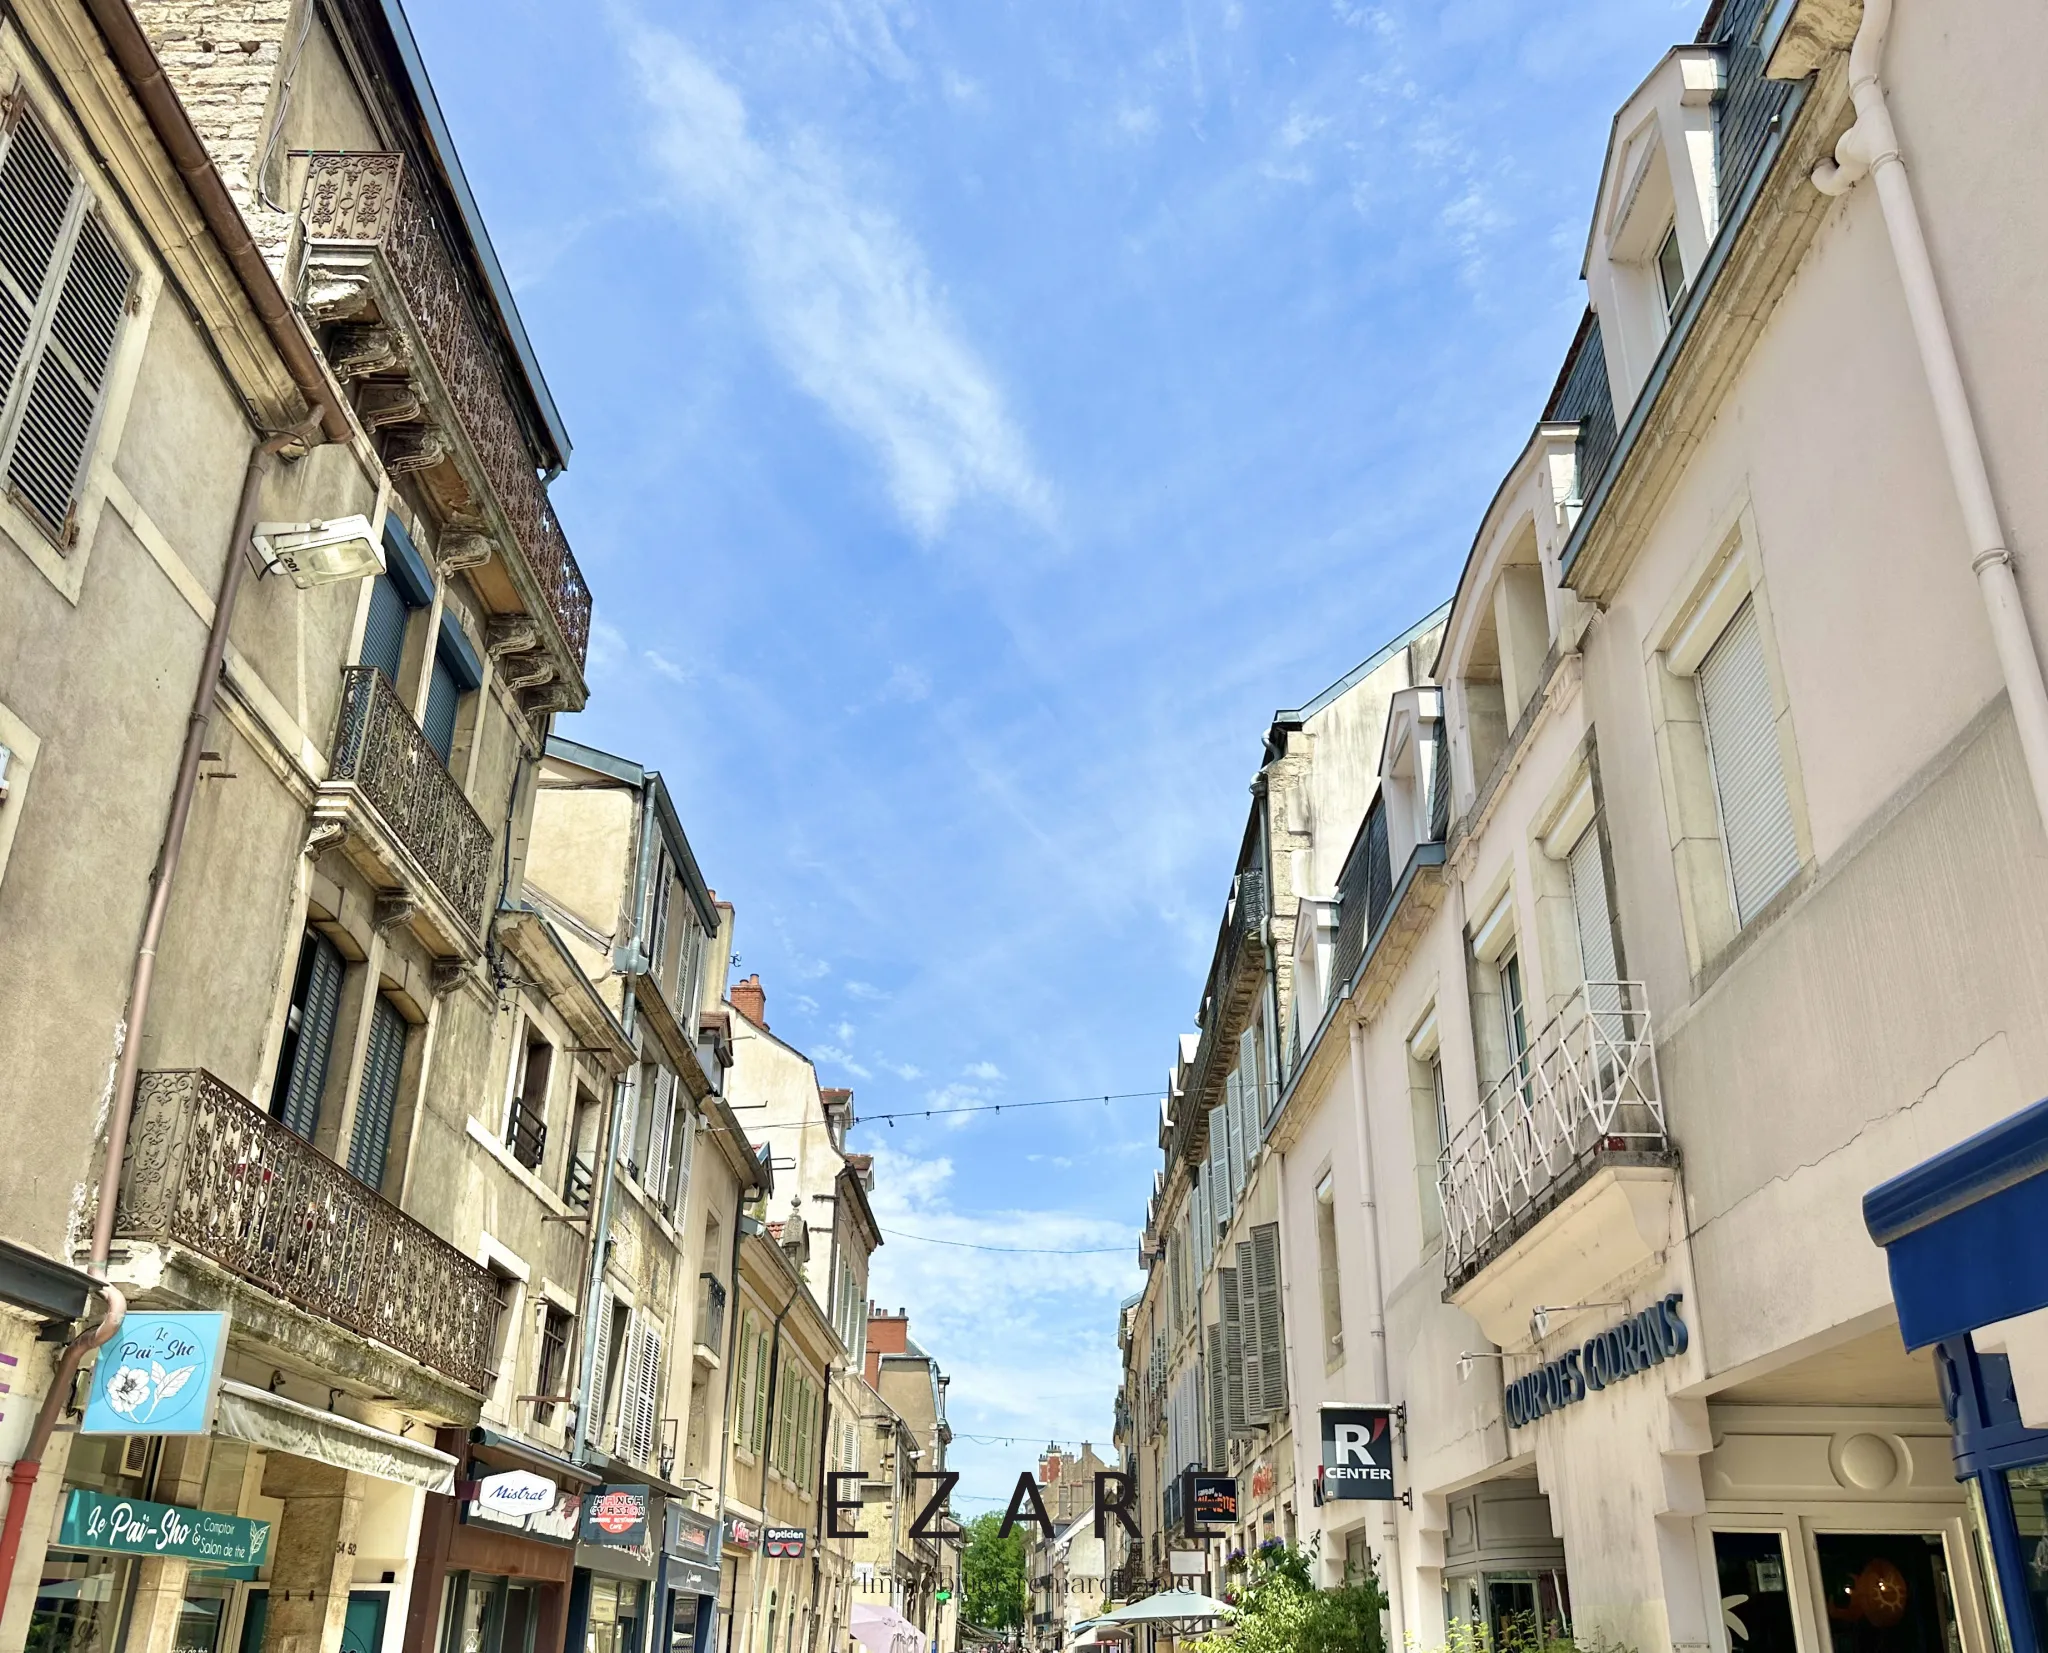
[[986, 415]]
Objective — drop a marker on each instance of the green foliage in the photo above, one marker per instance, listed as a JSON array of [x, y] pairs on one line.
[[992, 1575], [1280, 1610], [1521, 1633]]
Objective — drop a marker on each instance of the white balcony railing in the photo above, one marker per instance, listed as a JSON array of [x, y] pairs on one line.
[[1586, 1090]]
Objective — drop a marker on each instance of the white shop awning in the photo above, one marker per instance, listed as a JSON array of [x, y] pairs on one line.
[[281, 1425]]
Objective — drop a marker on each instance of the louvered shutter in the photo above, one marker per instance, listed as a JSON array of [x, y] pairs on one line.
[[370, 1143], [1594, 920], [626, 1429], [67, 288], [600, 1378], [762, 1355], [299, 1106], [1219, 1445], [1255, 1406], [1749, 773], [1272, 1338], [743, 1390], [684, 1152], [444, 695], [384, 630], [1235, 1420], [648, 1410], [657, 1132]]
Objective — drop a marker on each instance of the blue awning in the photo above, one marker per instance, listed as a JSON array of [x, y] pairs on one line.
[[1966, 1232]]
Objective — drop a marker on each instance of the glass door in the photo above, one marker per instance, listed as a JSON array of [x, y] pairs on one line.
[[1884, 1592]]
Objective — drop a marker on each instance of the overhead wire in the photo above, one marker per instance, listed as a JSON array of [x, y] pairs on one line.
[[1020, 1250]]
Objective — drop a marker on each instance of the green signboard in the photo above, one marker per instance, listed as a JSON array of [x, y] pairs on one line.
[[134, 1526]]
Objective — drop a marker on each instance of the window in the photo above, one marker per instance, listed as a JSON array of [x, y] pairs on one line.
[[1515, 1022], [1671, 273], [554, 1361], [1326, 1256], [1443, 1112], [526, 1122], [369, 1147], [505, 1330], [64, 287], [616, 1319], [1749, 774], [391, 613], [682, 1155], [301, 1080], [580, 1178]]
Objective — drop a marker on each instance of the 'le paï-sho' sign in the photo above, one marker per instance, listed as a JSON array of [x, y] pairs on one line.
[[133, 1526], [159, 1376], [1358, 1454], [1634, 1345]]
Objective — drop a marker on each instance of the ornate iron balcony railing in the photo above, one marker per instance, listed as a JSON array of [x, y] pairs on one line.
[[379, 749], [208, 1170], [1585, 1093], [366, 200]]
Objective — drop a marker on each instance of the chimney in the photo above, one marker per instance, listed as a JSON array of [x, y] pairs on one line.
[[750, 1001]]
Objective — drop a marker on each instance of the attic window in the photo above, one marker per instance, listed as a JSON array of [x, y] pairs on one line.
[[1671, 273]]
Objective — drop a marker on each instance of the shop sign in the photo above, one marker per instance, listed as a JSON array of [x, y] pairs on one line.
[[691, 1536], [741, 1533], [616, 1516], [1210, 1501], [783, 1543], [159, 1376], [132, 1526], [516, 1494], [1635, 1345], [1358, 1453], [1263, 1478], [1187, 1563]]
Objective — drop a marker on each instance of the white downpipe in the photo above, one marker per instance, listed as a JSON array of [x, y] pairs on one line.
[[1376, 1328], [1871, 147]]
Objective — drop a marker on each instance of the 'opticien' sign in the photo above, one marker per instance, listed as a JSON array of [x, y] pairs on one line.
[[1638, 1343]]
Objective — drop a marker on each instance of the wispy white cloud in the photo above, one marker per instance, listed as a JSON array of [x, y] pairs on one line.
[[987, 1072], [842, 289], [660, 663], [834, 1056], [865, 990], [906, 1071]]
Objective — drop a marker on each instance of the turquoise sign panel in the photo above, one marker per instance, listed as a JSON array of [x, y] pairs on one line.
[[158, 1376], [134, 1526]]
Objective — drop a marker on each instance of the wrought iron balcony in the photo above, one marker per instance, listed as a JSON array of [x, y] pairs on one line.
[[376, 264], [386, 783], [208, 1170], [1583, 1096]]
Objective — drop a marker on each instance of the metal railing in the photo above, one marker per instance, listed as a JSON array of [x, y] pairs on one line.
[[208, 1170], [380, 750], [526, 1134], [711, 1313], [1583, 1093], [368, 198]]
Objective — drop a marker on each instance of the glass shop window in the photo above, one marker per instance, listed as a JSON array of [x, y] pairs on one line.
[[1887, 1592], [2029, 1489], [1756, 1601], [79, 1602], [614, 1623]]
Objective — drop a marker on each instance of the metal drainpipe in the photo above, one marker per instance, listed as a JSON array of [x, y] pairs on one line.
[[1871, 147], [600, 1231], [1376, 1325], [732, 1343]]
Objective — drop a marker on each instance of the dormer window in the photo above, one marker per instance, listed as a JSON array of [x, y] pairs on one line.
[[1671, 273]]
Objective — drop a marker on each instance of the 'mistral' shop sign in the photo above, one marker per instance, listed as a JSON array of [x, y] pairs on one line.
[[1635, 1345]]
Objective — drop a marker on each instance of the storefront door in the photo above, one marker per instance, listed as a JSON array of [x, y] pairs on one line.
[[1887, 1592], [615, 1615]]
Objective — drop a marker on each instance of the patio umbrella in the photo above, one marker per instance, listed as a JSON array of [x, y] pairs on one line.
[[884, 1630], [1167, 1605]]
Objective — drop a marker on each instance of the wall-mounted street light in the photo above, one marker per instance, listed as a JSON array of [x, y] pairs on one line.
[[319, 553]]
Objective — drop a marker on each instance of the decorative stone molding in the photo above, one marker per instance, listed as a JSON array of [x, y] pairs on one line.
[[512, 634], [387, 402], [324, 837], [526, 671], [395, 909], [462, 548], [414, 447], [335, 294], [358, 349]]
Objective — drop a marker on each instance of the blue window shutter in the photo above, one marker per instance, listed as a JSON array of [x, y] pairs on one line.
[[310, 1036], [384, 635], [443, 697], [370, 1144]]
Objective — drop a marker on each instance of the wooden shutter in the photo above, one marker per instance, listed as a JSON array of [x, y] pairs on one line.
[[1749, 772], [743, 1390], [663, 1103], [1272, 1337], [319, 1003], [647, 1395], [1594, 920], [384, 630], [1255, 1404], [763, 1355], [684, 1151], [1219, 1445], [626, 1432], [67, 288], [370, 1143], [1236, 1418]]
